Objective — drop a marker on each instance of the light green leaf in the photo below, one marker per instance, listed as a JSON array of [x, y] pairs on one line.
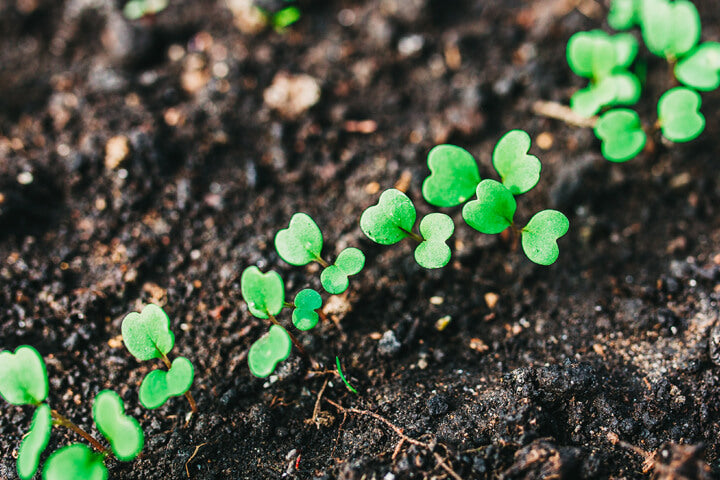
[[669, 29], [158, 386], [519, 171], [269, 350], [34, 444], [701, 68], [433, 251], [623, 14], [304, 316], [621, 134], [122, 431], [334, 278], [263, 292], [301, 242], [539, 237], [591, 54], [453, 176], [494, 209], [75, 462], [147, 334], [23, 378], [679, 116], [390, 220]]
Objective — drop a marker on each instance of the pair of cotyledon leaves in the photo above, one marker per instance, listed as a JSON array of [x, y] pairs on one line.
[[604, 59], [147, 336], [455, 177], [265, 296], [23, 381], [302, 242]]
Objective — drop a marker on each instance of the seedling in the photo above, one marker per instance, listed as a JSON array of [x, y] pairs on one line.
[[302, 242], [265, 297], [669, 29], [147, 336], [136, 9], [679, 116], [621, 134], [700, 69], [623, 14], [23, 381], [342, 376], [393, 219], [282, 17]]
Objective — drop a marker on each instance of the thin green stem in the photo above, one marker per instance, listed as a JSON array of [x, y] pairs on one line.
[[63, 421], [320, 260], [413, 235], [188, 394]]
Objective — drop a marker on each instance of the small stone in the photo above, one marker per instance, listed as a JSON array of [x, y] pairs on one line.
[[292, 95], [491, 299], [116, 151], [478, 345], [388, 344]]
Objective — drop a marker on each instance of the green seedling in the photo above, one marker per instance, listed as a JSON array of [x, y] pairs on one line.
[[624, 14], [342, 376], [603, 59], [519, 171], [271, 349], [679, 116], [121, 431], [393, 219], [494, 211], [334, 278], [302, 242], [263, 292], [75, 461], [23, 381], [669, 29], [453, 176], [282, 17], [621, 134], [700, 69], [304, 316], [147, 336], [158, 386], [136, 9]]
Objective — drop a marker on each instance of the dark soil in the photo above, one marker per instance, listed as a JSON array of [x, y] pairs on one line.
[[606, 364]]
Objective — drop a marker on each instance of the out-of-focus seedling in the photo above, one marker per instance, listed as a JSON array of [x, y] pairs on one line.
[[23, 381], [280, 14], [621, 134], [147, 336], [136, 9], [669, 29], [302, 242], [393, 219], [700, 69], [623, 14], [679, 116]]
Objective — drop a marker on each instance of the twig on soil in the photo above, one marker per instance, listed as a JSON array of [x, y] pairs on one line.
[[187, 470], [442, 462], [562, 112], [316, 410]]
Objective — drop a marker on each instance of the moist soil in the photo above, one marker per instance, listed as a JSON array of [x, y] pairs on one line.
[[139, 162]]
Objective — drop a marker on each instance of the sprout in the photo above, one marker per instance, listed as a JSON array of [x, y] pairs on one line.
[[700, 69], [342, 376], [623, 14], [263, 292], [519, 171], [621, 134], [147, 336], [23, 377], [669, 29], [679, 116], [539, 236], [302, 242], [453, 176], [123, 432], [75, 461], [304, 316], [35, 443], [393, 219], [271, 349]]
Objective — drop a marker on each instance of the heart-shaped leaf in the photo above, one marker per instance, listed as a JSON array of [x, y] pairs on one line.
[[591, 54], [391, 220], [619, 88], [623, 14], [679, 116], [23, 378], [33, 445], [75, 461], [158, 386], [539, 237], [263, 292], [494, 209], [519, 171], [669, 29], [269, 350], [123, 432], [334, 278], [301, 242], [621, 134], [304, 317], [147, 334], [433, 252], [701, 68], [453, 176]]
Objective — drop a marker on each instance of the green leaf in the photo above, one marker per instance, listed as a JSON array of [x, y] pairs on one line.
[[539, 237], [619, 88], [158, 386], [623, 14], [519, 171], [591, 54], [621, 134], [23, 378], [122, 431], [301, 242], [433, 252], [34, 444], [626, 49], [285, 17], [304, 317], [342, 376], [679, 116], [75, 461], [701, 68], [334, 278], [269, 350], [453, 176], [669, 29], [494, 209], [147, 334], [263, 292], [391, 220]]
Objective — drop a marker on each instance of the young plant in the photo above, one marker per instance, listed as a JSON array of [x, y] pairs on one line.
[[302, 242], [24, 381], [136, 9], [265, 297], [393, 219], [678, 115], [147, 336], [454, 173], [282, 16]]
